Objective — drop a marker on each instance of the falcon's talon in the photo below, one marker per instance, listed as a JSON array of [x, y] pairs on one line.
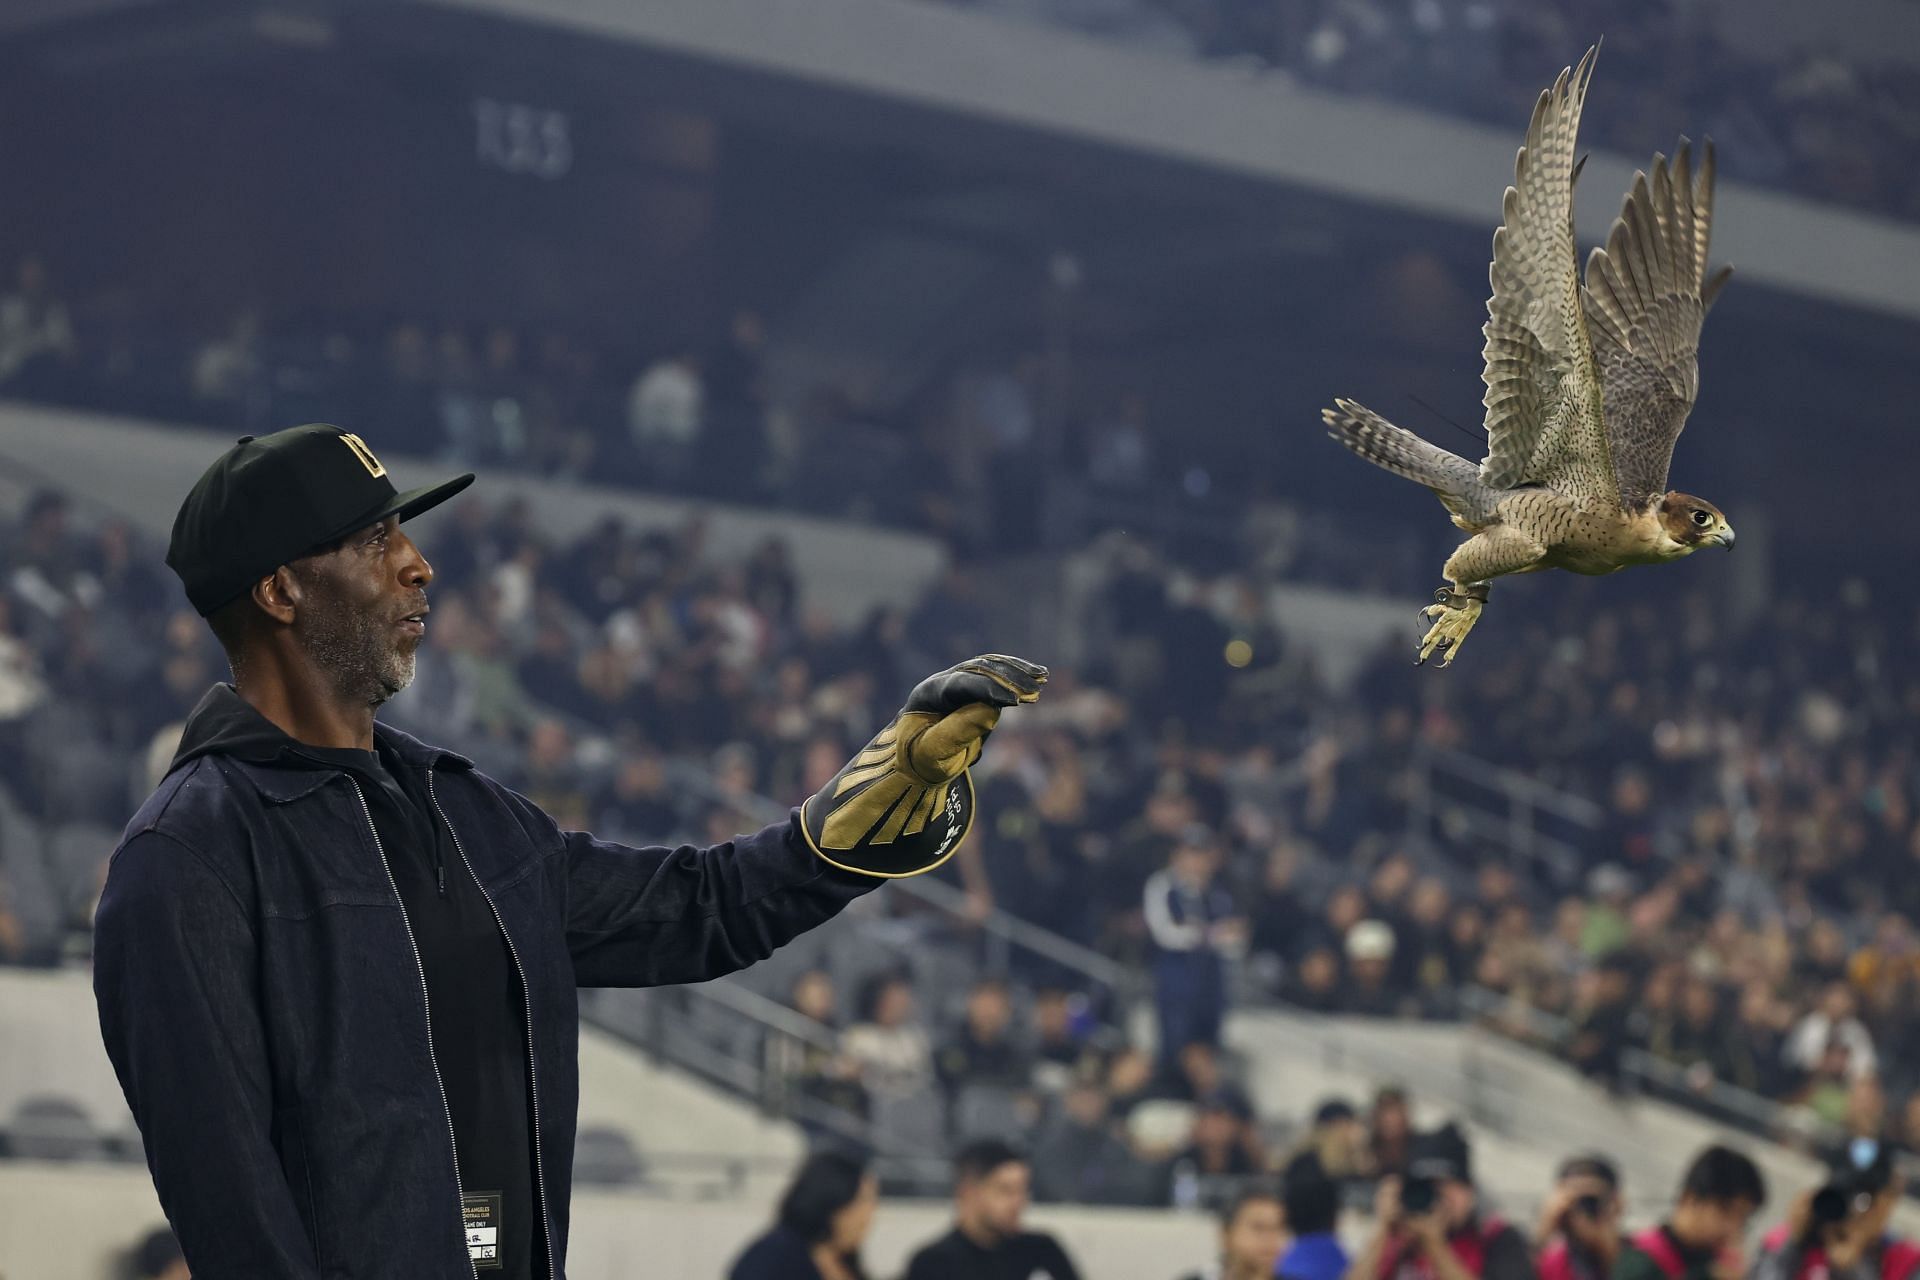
[[1451, 623]]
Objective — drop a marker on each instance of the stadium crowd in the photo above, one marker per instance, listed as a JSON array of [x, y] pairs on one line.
[[1218, 818], [1804, 118]]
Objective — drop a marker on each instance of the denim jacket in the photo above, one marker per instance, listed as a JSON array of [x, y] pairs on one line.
[[266, 1014]]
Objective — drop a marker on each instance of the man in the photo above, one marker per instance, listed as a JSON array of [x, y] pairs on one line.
[[1839, 1232], [1579, 1232], [982, 1050], [1312, 1203], [1251, 1233], [157, 1257], [1370, 950], [1428, 1225], [990, 1191], [1191, 920], [1700, 1240], [1336, 1145], [1079, 1157], [336, 967]]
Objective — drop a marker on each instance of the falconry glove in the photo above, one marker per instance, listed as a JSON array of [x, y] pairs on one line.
[[904, 803]]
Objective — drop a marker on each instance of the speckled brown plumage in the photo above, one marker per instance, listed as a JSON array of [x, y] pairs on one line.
[[1587, 387]]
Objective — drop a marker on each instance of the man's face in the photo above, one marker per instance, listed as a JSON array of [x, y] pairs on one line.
[[1456, 1203], [988, 1012], [348, 615], [1725, 1221], [1252, 1241], [995, 1203]]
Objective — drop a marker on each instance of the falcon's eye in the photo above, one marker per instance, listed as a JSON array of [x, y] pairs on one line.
[[1702, 519]]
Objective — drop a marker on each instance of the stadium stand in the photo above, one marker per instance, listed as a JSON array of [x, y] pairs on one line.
[[1814, 116], [1649, 939], [759, 422]]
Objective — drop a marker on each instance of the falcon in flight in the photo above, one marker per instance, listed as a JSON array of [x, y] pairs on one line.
[[1588, 384]]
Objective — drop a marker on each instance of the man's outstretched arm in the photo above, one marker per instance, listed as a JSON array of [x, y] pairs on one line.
[[900, 807]]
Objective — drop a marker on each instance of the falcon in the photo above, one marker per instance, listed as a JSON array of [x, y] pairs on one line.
[[1588, 383]]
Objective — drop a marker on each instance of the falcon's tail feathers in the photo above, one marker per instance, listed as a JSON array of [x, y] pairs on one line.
[[1403, 453]]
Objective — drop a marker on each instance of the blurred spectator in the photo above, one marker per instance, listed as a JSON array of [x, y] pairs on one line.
[[1428, 1223], [1191, 920], [1906, 1133], [1252, 1231], [812, 1068], [158, 1257], [983, 1049], [988, 1242], [1390, 1133], [37, 348], [895, 1058], [1719, 1195], [1370, 949], [665, 415], [1840, 1229], [1222, 1151], [1314, 983], [1832, 1022], [1312, 1201], [225, 370], [1865, 1122], [1602, 1016], [1335, 1147], [822, 1222], [733, 441], [1120, 447], [1079, 1155], [1060, 1050], [1578, 1235]]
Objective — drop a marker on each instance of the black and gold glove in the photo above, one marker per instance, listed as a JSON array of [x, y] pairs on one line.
[[904, 803]]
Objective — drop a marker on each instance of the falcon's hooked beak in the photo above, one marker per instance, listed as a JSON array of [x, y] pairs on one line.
[[1724, 538]]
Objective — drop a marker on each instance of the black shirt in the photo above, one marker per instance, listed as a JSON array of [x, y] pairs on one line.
[[1028, 1256], [475, 1008]]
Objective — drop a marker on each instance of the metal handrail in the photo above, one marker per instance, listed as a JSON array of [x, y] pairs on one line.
[[1518, 829], [770, 1014], [1540, 795], [1031, 937], [1639, 1065]]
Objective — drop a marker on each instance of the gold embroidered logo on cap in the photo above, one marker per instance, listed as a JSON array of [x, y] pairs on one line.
[[360, 451]]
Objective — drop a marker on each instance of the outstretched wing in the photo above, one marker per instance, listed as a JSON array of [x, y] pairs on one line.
[[1543, 402], [1646, 296]]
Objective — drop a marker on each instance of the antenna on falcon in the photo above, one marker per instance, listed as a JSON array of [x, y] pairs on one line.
[[1475, 435]]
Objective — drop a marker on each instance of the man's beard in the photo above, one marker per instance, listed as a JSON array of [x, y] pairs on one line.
[[356, 653]]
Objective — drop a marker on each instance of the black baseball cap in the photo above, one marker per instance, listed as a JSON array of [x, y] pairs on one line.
[[274, 498]]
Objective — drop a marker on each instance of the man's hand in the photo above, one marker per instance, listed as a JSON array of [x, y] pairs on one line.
[[1429, 1232], [1558, 1216], [948, 716], [1386, 1202], [903, 804]]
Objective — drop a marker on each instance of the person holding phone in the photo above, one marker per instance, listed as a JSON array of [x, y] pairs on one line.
[[1578, 1236]]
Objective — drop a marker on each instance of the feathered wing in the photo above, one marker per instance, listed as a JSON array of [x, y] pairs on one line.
[[1543, 420], [1646, 296]]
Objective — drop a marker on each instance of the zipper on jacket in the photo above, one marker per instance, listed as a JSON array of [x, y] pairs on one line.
[[420, 967], [526, 1008]]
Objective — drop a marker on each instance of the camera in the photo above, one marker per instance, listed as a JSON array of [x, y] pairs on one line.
[[1418, 1194], [1588, 1207], [1856, 1179]]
